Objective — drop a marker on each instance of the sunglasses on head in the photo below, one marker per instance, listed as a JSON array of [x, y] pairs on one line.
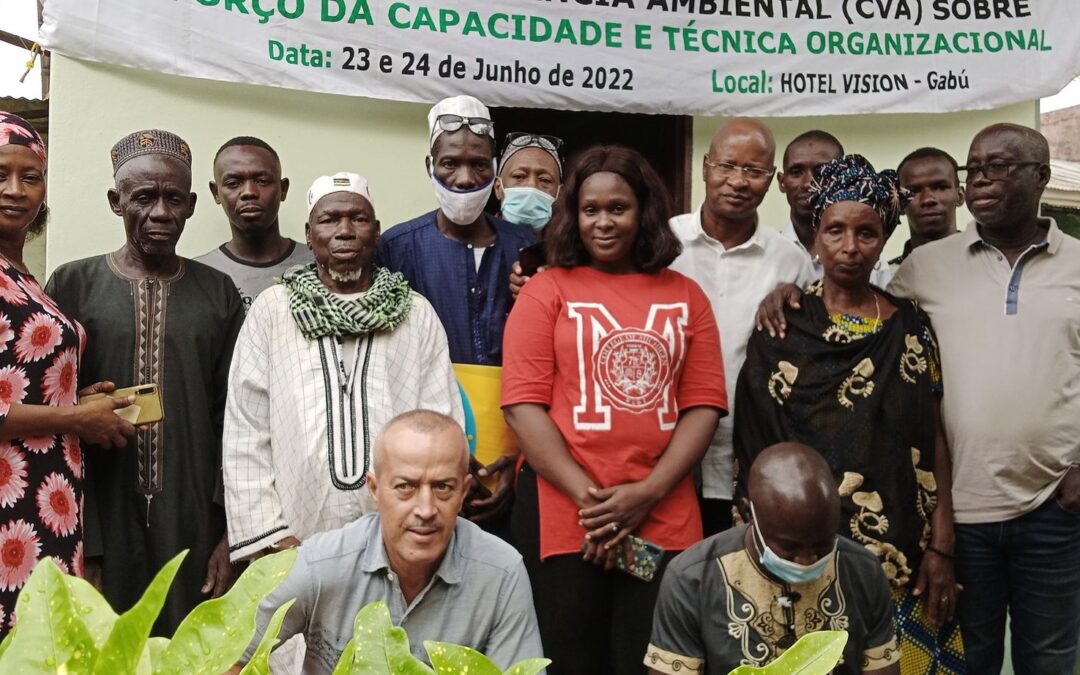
[[481, 126], [524, 139]]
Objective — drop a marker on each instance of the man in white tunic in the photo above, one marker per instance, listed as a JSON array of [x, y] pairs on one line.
[[323, 361]]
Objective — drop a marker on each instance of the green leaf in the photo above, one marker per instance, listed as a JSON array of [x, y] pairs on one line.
[[124, 647], [379, 648], [50, 633], [213, 637], [528, 667], [260, 660], [814, 654], [150, 655], [345, 663], [94, 609], [451, 659]]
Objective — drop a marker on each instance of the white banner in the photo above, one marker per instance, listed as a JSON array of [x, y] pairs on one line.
[[701, 57]]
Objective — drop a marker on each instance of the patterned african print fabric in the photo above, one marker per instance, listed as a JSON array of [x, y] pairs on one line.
[[865, 402], [852, 178], [925, 650], [41, 479]]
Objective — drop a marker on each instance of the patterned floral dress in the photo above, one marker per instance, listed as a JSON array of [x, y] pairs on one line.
[[40, 477]]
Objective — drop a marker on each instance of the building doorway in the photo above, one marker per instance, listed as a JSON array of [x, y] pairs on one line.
[[665, 140]]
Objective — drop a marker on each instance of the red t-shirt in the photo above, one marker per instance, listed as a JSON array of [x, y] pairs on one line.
[[614, 358]]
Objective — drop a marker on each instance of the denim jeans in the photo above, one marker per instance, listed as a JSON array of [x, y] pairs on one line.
[[1030, 566]]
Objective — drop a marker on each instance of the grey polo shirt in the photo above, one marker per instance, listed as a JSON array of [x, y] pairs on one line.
[[479, 596], [1010, 364], [717, 610]]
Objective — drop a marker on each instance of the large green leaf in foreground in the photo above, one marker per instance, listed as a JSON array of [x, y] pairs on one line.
[[50, 634], [380, 648], [213, 637], [814, 654]]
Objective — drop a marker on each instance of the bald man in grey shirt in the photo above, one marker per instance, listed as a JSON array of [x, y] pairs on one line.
[[442, 577]]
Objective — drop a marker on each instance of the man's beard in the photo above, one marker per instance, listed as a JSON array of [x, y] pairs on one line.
[[347, 276]]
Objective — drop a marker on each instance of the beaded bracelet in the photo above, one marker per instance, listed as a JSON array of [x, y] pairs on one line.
[[943, 554]]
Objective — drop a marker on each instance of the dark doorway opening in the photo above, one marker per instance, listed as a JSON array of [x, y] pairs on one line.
[[665, 140]]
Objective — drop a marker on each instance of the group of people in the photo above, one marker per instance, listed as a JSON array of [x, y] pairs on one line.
[[731, 435]]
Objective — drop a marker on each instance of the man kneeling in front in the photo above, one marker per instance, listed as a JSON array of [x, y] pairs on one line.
[[744, 596], [442, 577]]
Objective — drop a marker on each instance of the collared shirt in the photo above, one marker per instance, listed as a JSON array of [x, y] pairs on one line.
[[471, 302], [1010, 358], [717, 610], [880, 276], [735, 281], [478, 597]]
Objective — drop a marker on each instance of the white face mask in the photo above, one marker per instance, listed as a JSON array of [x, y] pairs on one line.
[[461, 207], [789, 571]]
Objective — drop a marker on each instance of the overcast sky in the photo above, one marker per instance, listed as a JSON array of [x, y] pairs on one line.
[[20, 17]]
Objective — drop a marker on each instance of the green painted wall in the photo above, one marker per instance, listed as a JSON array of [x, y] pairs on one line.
[[93, 105]]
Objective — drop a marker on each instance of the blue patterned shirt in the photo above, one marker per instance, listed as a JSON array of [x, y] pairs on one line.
[[472, 305]]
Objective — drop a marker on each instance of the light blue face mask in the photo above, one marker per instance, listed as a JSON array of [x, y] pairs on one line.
[[526, 206], [788, 570]]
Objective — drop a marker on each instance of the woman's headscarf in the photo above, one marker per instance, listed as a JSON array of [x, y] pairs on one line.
[[852, 178], [14, 130]]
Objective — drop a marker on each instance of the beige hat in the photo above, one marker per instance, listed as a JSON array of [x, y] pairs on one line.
[[465, 106], [343, 181]]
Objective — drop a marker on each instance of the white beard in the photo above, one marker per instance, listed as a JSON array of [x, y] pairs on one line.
[[346, 277]]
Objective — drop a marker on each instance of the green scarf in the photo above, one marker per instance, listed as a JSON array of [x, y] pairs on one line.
[[320, 313]]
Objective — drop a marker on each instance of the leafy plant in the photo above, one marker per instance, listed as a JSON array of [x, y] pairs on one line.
[[814, 654], [66, 626], [379, 648]]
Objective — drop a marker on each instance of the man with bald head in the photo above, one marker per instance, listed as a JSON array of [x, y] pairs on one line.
[[746, 595], [1004, 299], [152, 317], [441, 576], [736, 261]]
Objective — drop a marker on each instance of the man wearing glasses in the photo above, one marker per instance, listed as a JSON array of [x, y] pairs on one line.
[[1004, 299], [459, 257], [736, 262]]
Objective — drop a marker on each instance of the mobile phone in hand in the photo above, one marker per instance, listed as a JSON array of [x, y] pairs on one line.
[[531, 258]]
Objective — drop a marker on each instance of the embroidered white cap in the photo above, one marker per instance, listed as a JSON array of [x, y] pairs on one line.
[[464, 106], [343, 181]]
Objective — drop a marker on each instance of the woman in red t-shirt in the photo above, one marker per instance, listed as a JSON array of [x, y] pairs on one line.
[[613, 383]]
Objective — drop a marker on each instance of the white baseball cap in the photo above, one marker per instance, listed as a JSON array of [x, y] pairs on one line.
[[343, 181]]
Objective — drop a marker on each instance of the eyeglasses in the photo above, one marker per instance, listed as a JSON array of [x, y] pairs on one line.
[[481, 126], [992, 170], [524, 139], [751, 173]]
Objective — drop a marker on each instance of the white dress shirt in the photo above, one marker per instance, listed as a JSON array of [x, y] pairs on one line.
[[736, 281]]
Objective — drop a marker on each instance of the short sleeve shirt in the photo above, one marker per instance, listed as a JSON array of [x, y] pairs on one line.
[[478, 597], [614, 358], [717, 610], [1009, 338]]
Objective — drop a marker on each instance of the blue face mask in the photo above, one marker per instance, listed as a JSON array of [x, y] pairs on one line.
[[526, 206], [789, 571]]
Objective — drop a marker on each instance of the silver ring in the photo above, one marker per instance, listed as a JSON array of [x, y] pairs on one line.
[[614, 527]]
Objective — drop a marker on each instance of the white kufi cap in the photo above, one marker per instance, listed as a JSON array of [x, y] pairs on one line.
[[343, 181]]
